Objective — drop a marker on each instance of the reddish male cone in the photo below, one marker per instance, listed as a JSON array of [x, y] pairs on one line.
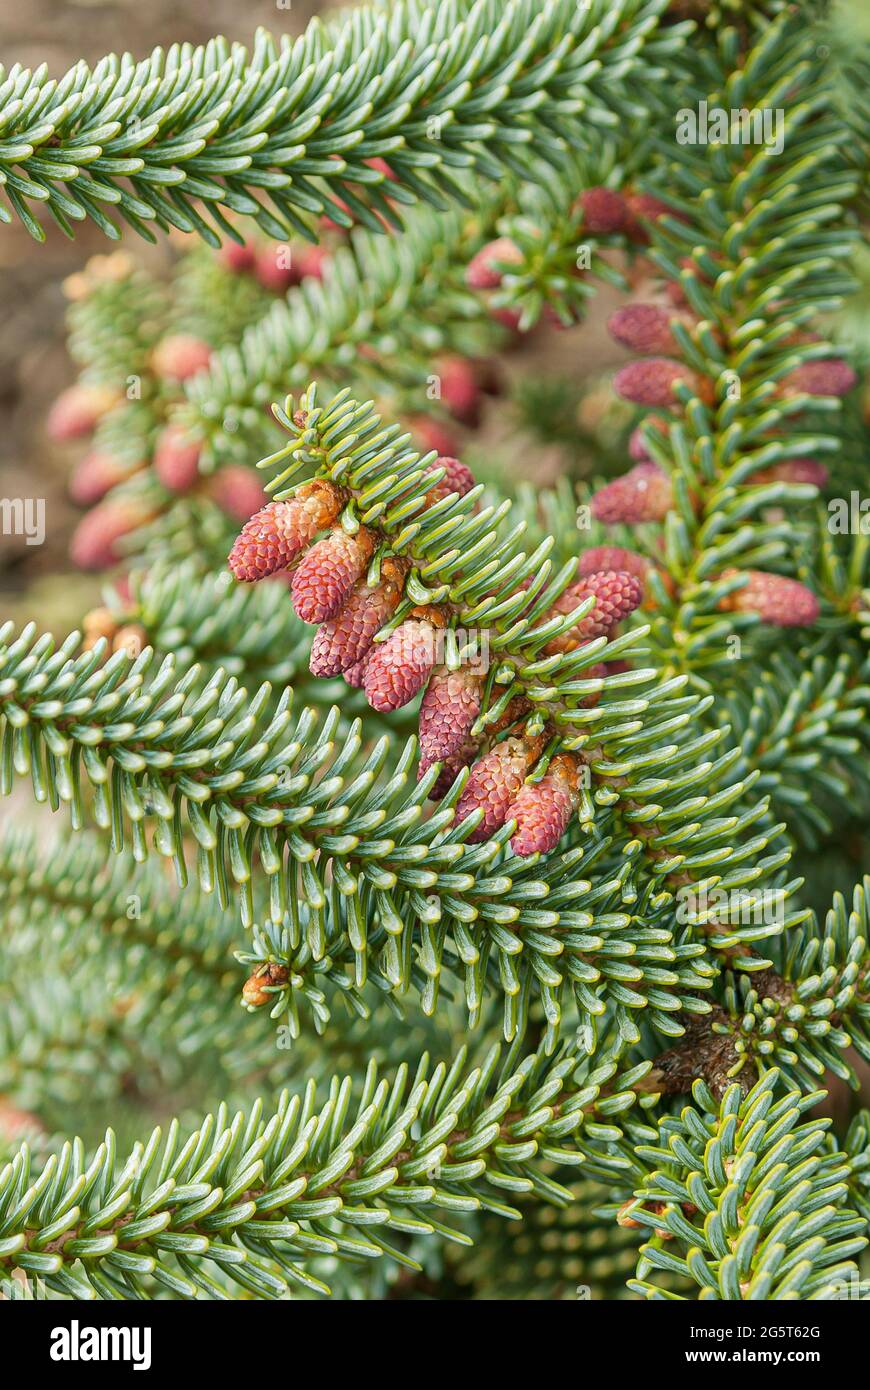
[[458, 478], [95, 474], [355, 675], [604, 210], [432, 434], [543, 810], [274, 536], [450, 769], [486, 269], [644, 328], [637, 448], [399, 668], [493, 785], [652, 381], [237, 259], [616, 594], [777, 600], [78, 410], [328, 572], [644, 493], [460, 390], [793, 471], [641, 209], [237, 491], [449, 708], [612, 557], [277, 268], [344, 640], [180, 356], [176, 459], [311, 262], [94, 545], [829, 377]]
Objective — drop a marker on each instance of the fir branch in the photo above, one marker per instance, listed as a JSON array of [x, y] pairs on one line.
[[748, 1200], [255, 1198], [280, 133], [753, 247]]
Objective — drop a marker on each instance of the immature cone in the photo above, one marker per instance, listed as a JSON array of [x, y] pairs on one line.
[[777, 600], [344, 640], [543, 810], [399, 668], [616, 594], [829, 377], [652, 381], [644, 328], [604, 210], [448, 710], [327, 573], [612, 557], [458, 477], [485, 270], [275, 535], [176, 459], [95, 474], [78, 410], [237, 491], [95, 539], [493, 785], [644, 493], [180, 356]]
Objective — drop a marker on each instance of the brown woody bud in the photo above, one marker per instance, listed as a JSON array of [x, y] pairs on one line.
[[256, 990]]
